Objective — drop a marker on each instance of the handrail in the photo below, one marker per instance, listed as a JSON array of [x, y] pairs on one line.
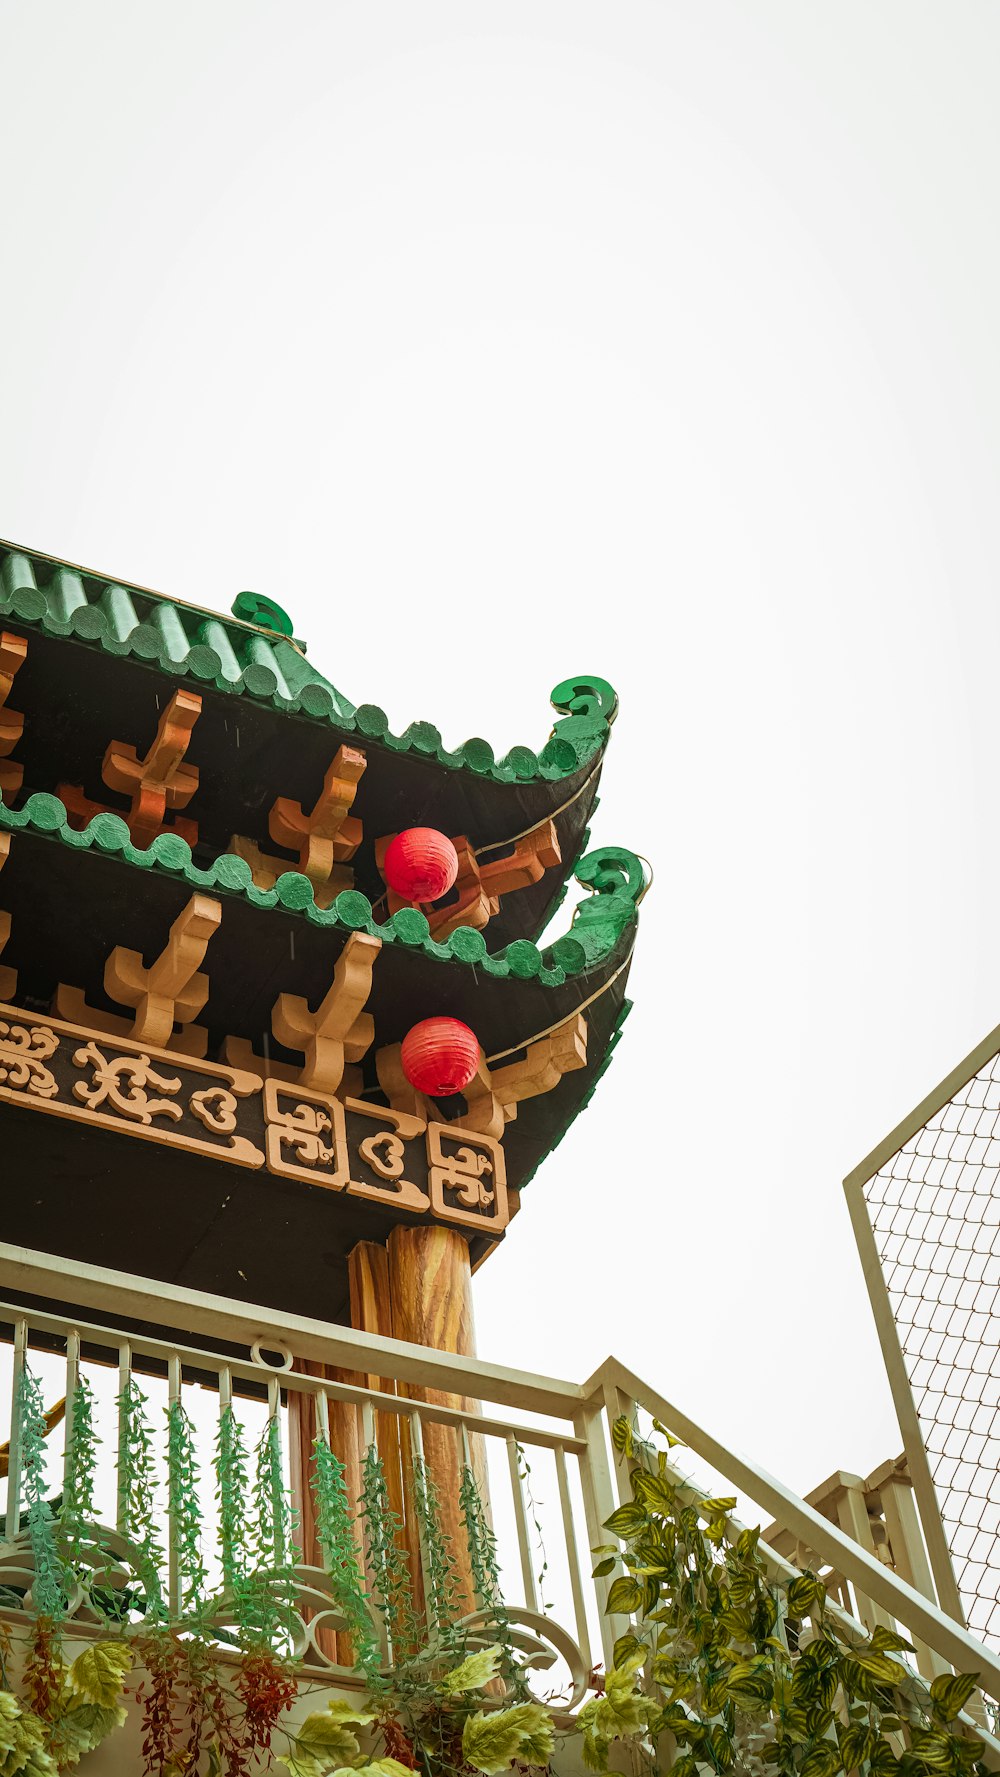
[[921, 1617], [244, 1323], [230, 1321]]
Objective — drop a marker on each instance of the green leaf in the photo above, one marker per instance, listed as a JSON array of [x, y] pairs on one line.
[[950, 1693], [716, 1508], [379, 1767], [82, 1730], [621, 1436], [325, 1741], [628, 1521], [664, 1433], [885, 1641], [343, 1710], [625, 1595], [99, 1672], [803, 1592], [823, 1760], [606, 1566], [491, 1742], [473, 1673]]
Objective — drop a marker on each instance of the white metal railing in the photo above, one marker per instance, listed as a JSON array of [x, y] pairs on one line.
[[560, 1430]]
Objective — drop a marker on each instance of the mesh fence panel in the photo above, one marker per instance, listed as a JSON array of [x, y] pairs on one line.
[[934, 1208]]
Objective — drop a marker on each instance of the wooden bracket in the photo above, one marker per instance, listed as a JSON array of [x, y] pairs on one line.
[[324, 837], [494, 1095], [156, 783], [265, 869], [340, 1029], [13, 653], [8, 977], [479, 885], [394, 1083], [169, 991], [239, 1052], [328, 833]]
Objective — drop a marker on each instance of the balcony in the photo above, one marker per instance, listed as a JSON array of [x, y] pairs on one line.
[[168, 1462]]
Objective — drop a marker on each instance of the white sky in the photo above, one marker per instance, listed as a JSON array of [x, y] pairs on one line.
[[503, 342]]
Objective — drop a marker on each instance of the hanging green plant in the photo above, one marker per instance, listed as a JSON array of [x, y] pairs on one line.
[[48, 1586], [77, 1512], [336, 1537], [185, 1510], [485, 1570], [741, 1673], [136, 1491], [391, 1587], [442, 1596]]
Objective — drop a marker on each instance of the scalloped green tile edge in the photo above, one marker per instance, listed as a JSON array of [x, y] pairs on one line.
[[235, 658], [614, 875]]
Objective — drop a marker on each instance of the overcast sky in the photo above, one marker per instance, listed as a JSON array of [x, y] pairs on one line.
[[500, 342]]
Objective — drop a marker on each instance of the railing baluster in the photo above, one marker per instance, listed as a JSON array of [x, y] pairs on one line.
[[72, 1382], [573, 1558], [598, 1504], [277, 1483], [521, 1519], [14, 1448], [417, 1449], [173, 1536], [124, 1382]]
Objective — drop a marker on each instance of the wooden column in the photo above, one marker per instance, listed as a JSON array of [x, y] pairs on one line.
[[430, 1283], [371, 1312]]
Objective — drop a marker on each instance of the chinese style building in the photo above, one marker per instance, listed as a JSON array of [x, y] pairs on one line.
[[285, 1035]]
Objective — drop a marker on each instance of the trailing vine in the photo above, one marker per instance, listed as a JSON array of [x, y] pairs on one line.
[[728, 1670], [442, 1598], [336, 1537], [76, 1516], [185, 1509], [391, 1587], [485, 1570], [136, 1484]]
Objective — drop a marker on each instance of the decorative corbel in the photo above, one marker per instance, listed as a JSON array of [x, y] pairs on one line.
[[154, 784], [481, 881], [8, 977], [340, 1029], [169, 991], [239, 1052], [324, 837], [493, 1096], [13, 653]]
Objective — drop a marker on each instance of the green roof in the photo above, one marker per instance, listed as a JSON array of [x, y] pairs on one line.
[[261, 660]]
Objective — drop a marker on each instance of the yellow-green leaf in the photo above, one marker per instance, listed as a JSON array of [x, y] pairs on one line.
[[473, 1673], [628, 1521], [99, 1672], [625, 1595], [950, 1693], [490, 1742]]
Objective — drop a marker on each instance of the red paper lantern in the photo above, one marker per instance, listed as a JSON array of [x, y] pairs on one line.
[[440, 1056], [420, 864]]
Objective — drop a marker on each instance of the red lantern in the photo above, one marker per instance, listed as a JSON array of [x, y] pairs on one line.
[[440, 1056], [420, 864]]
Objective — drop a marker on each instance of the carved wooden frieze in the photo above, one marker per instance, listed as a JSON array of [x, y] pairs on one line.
[[387, 1157]]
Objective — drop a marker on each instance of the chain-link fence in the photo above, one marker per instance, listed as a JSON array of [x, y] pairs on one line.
[[932, 1209]]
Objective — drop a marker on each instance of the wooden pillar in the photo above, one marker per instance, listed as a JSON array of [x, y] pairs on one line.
[[430, 1283], [371, 1312]]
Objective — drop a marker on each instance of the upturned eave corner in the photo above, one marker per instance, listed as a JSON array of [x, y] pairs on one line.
[[265, 662]]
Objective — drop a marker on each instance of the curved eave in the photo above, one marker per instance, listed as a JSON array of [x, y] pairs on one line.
[[102, 668], [240, 659], [73, 896]]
